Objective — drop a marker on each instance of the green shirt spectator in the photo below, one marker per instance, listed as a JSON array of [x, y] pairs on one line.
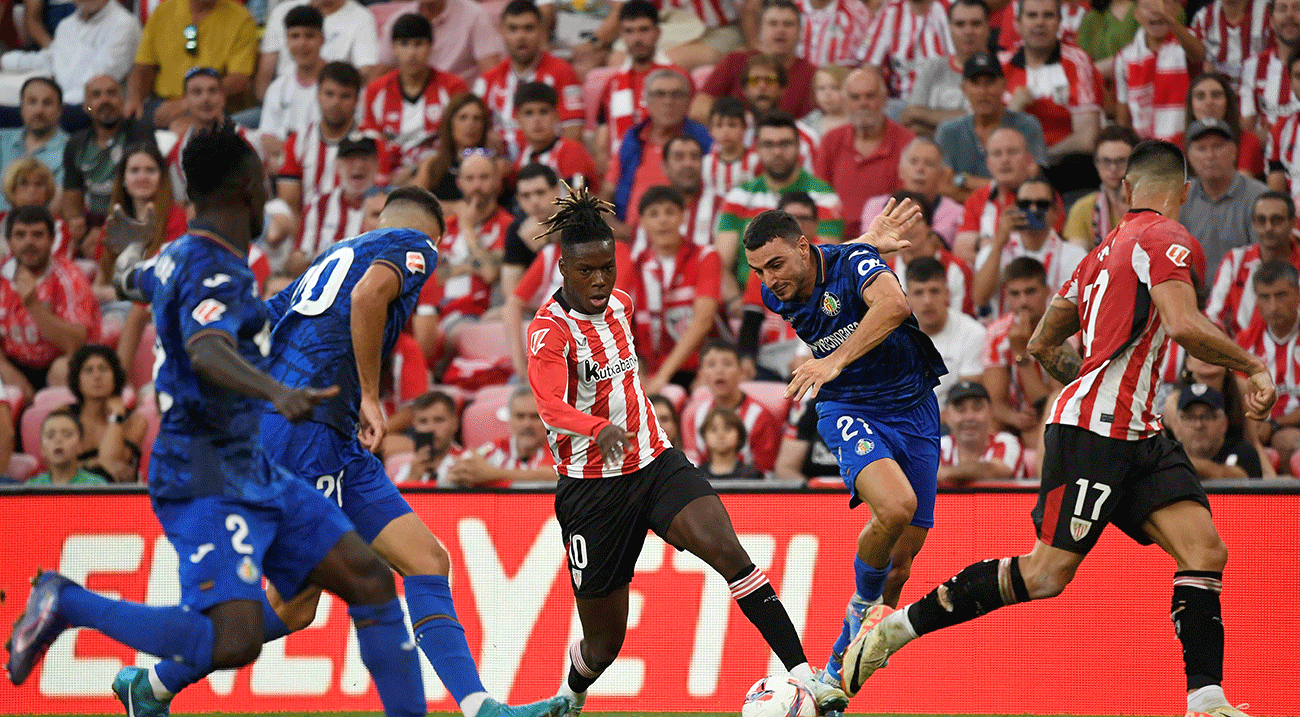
[[757, 195], [81, 477]]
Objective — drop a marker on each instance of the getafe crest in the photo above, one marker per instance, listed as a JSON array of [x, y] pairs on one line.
[[830, 304]]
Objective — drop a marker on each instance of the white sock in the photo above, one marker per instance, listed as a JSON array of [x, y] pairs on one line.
[[1206, 698], [802, 672], [901, 616], [473, 703], [160, 691], [578, 698]]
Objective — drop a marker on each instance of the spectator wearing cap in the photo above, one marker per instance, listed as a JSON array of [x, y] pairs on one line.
[[965, 140], [192, 33], [1152, 72], [1232, 305], [289, 103], [310, 152], [1221, 202], [464, 35], [1273, 338], [937, 93], [350, 36], [1202, 428], [860, 159], [1215, 95], [1093, 215], [40, 136], [921, 169], [336, 216], [205, 107], [973, 451], [958, 337]]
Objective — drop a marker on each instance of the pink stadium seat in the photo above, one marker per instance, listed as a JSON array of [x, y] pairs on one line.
[[383, 12], [771, 394], [141, 370], [592, 87], [486, 340], [676, 394], [16, 400], [1274, 458], [499, 394], [494, 8], [700, 75], [395, 464], [480, 423], [691, 443], [1295, 463], [22, 466]]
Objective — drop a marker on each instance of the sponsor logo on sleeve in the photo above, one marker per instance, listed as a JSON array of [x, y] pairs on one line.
[[415, 262], [208, 310], [1177, 253], [535, 341]]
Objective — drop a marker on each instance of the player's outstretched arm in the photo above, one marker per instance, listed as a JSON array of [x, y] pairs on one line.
[[1058, 358], [378, 287], [1176, 302], [214, 357]]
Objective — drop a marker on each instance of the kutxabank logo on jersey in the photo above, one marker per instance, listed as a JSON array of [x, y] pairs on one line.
[[595, 372]]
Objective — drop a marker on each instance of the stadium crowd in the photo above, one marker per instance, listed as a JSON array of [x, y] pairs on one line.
[[1009, 122]]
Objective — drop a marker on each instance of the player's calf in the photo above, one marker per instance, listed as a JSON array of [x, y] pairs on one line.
[[352, 571]]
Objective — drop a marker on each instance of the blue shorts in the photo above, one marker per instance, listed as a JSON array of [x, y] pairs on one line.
[[859, 437], [225, 544], [340, 468]]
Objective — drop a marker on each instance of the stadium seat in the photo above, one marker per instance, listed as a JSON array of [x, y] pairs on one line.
[[383, 12], [593, 86], [395, 464], [1295, 464], [480, 423], [700, 75], [1274, 459], [486, 340], [141, 370], [676, 394], [691, 443], [45, 401], [22, 466], [16, 400], [771, 394]]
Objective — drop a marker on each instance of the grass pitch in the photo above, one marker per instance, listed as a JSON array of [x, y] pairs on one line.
[[629, 713]]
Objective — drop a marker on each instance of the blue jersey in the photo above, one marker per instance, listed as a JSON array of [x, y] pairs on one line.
[[312, 335], [198, 286], [895, 375]]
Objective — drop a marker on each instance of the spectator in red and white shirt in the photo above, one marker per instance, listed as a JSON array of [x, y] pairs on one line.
[[730, 161], [535, 117], [337, 216], [434, 425], [1072, 13], [467, 42], [902, 35], [469, 255], [833, 31], [1266, 93], [521, 457], [1233, 31], [1275, 338], [1025, 230], [721, 373], [524, 35], [1232, 296], [1213, 95], [683, 162], [47, 308], [1284, 144], [681, 291], [973, 451], [1011, 164], [921, 170], [937, 94], [622, 103], [1017, 384], [404, 107], [1152, 73], [310, 153]]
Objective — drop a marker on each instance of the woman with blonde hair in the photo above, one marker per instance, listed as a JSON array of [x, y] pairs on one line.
[[828, 95], [25, 182]]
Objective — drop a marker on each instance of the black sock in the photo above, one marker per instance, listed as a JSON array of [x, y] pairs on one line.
[[1199, 623], [756, 598], [980, 588], [580, 676]]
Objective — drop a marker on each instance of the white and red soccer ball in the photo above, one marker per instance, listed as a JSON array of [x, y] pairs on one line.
[[779, 696]]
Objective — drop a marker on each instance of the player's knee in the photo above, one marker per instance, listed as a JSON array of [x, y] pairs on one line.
[[895, 514], [602, 650], [1209, 555], [375, 583], [235, 648]]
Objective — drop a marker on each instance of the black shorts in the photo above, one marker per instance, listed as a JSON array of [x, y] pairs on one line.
[[1091, 480], [603, 521]]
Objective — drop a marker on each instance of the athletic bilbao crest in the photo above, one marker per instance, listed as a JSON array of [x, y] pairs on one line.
[[577, 577], [830, 304], [1079, 528]]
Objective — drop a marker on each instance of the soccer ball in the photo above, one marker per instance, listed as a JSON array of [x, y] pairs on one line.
[[779, 696]]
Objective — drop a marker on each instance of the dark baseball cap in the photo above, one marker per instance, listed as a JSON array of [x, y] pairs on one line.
[[966, 389], [1200, 393], [982, 64], [1201, 127], [357, 144]]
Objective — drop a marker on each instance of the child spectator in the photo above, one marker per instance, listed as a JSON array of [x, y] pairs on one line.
[[111, 436], [61, 437], [290, 101], [972, 451], [723, 435], [434, 425], [730, 162], [828, 95], [521, 457], [540, 141], [721, 373]]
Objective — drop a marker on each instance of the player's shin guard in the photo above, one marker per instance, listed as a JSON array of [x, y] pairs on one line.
[[759, 602], [176, 676], [169, 633], [390, 657], [979, 589], [1198, 621], [441, 635]]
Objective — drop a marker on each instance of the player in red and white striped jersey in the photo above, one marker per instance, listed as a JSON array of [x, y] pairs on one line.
[[618, 474], [833, 31], [1228, 43], [1106, 459], [974, 451], [1232, 296], [1265, 89], [899, 39], [1274, 337]]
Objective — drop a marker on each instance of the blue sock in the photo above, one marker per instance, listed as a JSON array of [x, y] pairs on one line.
[[176, 676], [391, 659], [871, 581], [440, 634], [169, 633]]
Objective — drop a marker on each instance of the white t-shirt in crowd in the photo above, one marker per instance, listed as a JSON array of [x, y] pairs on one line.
[[961, 344]]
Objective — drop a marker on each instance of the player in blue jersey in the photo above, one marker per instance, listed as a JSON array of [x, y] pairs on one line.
[[875, 371], [231, 515]]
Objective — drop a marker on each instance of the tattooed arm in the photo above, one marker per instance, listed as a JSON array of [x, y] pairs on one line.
[[1060, 322]]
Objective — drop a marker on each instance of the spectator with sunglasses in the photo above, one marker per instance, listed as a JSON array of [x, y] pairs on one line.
[[190, 33]]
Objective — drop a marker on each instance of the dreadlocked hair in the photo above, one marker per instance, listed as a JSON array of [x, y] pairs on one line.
[[579, 218]]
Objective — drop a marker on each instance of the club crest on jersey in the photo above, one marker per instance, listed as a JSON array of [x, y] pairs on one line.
[[208, 310], [865, 446], [830, 304], [415, 262], [1177, 253], [248, 570], [577, 577], [535, 341], [1079, 528]]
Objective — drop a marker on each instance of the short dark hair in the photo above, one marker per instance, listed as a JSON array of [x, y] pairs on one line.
[[927, 209], [343, 73], [728, 107], [1020, 9], [781, 5], [533, 170], [636, 9], [778, 118], [536, 92], [1273, 271], [769, 62], [1157, 158], [926, 268], [728, 417], [660, 194], [1038, 179], [304, 16], [58, 91], [1024, 267], [515, 8], [1118, 133], [432, 398], [215, 158], [801, 198], [78, 362], [680, 138], [718, 345], [658, 399], [970, 3], [31, 214], [420, 197], [769, 225], [64, 412], [412, 26], [1280, 197]]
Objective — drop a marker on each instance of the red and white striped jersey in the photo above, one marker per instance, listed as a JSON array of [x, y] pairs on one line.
[[1282, 357], [1124, 341], [407, 126], [583, 371], [504, 453], [1003, 448], [497, 88], [468, 294], [764, 431], [1058, 256], [713, 13], [1153, 85], [329, 220], [1066, 84], [1283, 143], [309, 160], [997, 353], [251, 136], [960, 278], [1226, 45], [64, 290], [1072, 12], [721, 175], [833, 35], [666, 304], [898, 40], [698, 222], [1266, 89], [622, 104], [569, 158], [1232, 297]]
